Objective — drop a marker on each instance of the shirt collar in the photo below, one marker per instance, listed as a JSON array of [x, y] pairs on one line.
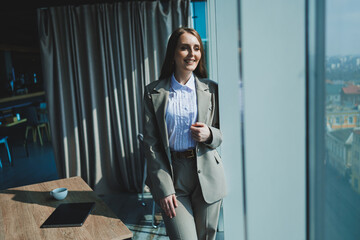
[[189, 85]]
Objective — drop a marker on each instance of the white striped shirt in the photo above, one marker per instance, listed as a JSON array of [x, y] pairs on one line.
[[181, 112]]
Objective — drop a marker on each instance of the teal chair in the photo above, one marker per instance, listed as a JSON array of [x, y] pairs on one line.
[[35, 125], [4, 141]]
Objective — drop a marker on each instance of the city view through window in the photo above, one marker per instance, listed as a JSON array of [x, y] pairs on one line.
[[342, 159]]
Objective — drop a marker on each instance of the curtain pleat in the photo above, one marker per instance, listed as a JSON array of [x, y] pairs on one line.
[[96, 61]]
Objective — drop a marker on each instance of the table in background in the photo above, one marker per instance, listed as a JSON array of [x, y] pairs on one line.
[[22, 97], [24, 209], [15, 123]]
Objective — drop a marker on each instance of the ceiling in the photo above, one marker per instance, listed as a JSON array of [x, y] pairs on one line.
[[20, 5], [18, 19]]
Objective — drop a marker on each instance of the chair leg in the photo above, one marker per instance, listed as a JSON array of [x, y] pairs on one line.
[[26, 132], [143, 184], [25, 141], [40, 138], [34, 133], [44, 128], [8, 151], [153, 216]]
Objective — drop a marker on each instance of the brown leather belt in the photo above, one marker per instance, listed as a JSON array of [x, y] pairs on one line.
[[191, 153]]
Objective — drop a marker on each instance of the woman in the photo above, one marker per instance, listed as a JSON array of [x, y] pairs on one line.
[[181, 134]]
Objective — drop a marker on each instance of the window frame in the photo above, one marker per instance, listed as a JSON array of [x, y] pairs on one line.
[[315, 85]]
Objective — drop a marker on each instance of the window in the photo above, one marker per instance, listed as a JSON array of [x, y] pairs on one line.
[[337, 120], [199, 12], [339, 214], [275, 162], [272, 56]]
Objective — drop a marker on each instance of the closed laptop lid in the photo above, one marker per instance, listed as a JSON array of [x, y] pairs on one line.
[[69, 215]]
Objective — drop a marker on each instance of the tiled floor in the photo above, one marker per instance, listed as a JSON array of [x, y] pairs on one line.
[[128, 207], [38, 167]]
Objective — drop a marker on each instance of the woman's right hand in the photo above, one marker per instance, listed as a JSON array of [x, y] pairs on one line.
[[168, 204]]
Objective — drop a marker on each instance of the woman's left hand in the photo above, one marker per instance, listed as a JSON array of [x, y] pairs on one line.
[[200, 132]]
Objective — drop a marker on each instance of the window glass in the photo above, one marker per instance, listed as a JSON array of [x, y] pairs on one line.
[[342, 173], [199, 10], [199, 23]]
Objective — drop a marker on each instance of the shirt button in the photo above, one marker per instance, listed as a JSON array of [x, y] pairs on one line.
[[199, 171]]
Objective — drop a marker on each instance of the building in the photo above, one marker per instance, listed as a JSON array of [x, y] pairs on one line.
[[355, 166], [338, 117], [338, 149], [350, 95], [333, 93]]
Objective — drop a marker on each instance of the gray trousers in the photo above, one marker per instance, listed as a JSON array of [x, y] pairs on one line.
[[195, 219]]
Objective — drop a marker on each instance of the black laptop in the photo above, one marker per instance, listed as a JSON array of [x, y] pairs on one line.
[[69, 215]]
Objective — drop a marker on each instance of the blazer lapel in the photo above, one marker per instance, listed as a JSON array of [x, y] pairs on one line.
[[203, 100], [160, 97]]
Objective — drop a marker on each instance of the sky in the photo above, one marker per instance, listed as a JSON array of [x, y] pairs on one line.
[[342, 27]]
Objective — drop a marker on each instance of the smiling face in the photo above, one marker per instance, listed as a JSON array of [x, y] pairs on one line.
[[187, 54]]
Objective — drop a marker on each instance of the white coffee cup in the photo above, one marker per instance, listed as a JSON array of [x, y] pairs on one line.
[[59, 193]]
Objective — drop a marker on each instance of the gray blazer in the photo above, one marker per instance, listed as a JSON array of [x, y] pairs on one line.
[[157, 151]]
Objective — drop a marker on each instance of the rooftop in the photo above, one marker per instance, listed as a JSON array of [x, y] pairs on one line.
[[351, 89], [342, 134]]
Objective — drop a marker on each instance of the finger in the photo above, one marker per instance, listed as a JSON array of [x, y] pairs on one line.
[[195, 130], [171, 209], [195, 137], [198, 124], [162, 205], [196, 134], [167, 211], [175, 201]]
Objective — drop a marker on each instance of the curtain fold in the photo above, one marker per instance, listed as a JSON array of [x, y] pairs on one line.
[[96, 61]]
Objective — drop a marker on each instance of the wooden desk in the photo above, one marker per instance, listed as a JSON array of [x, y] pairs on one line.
[[15, 123], [24, 209]]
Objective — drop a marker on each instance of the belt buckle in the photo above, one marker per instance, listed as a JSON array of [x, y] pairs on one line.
[[191, 154]]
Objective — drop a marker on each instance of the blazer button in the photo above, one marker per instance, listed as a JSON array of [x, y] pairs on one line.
[[199, 171]]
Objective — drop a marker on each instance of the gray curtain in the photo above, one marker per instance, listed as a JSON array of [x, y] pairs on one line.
[[96, 60]]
